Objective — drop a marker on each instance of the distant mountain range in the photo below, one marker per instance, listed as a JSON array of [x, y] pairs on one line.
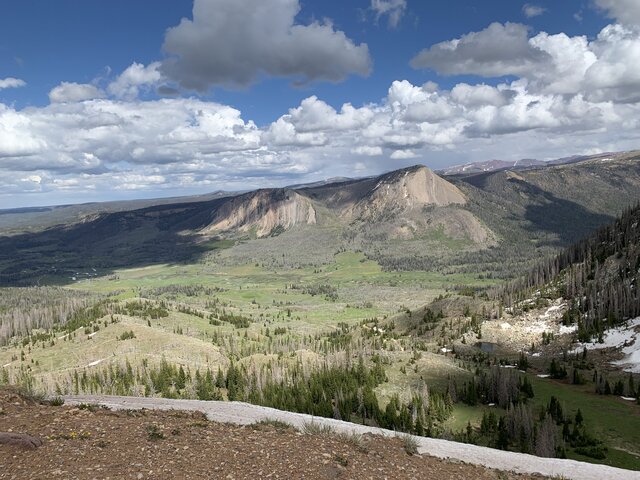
[[493, 165]]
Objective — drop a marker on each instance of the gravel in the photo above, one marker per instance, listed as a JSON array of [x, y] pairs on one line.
[[244, 414]]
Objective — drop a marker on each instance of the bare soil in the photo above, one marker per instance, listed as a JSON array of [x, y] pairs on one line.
[[97, 443]]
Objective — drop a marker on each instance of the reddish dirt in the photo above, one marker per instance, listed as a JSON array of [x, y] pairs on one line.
[[94, 443]]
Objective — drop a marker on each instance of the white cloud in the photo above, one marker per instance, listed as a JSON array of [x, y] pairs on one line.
[[283, 133], [314, 114], [94, 136], [367, 151], [574, 96], [607, 68], [232, 42], [616, 73], [625, 11], [74, 92], [11, 82], [403, 155], [531, 10], [568, 59], [16, 136], [394, 9], [81, 150], [128, 84]]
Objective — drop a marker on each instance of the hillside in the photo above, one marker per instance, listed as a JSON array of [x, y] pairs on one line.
[[94, 442], [597, 277], [533, 212], [411, 219], [264, 212]]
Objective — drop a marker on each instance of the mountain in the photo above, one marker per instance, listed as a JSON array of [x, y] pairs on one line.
[[476, 167], [496, 222], [525, 163], [263, 212], [319, 183], [39, 218], [405, 190]]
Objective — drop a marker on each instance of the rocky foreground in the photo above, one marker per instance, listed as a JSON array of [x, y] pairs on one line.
[[90, 442]]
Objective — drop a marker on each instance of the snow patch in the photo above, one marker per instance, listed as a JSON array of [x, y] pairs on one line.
[[615, 337], [631, 361], [564, 330], [624, 337]]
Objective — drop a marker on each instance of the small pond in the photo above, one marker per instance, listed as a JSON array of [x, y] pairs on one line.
[[487, 347]]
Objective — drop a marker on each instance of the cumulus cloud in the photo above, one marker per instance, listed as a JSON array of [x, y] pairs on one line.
[[419, 104], [498, 50], [394, 9], [11, 82], [105, 133], [531, 10], [16, 136], [314, 114], [615, 75], [284, 133], [607, 68], [625, 11], [480, 95], [367, 151], [572, 95], [137, 76], [185, 144], [233, 42], [74, 92], [567, 60], [403, 155]]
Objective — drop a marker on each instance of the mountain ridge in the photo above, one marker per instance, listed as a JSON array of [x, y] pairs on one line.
[[407, 219]]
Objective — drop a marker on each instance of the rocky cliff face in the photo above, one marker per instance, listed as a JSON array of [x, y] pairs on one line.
[[264, 211], [405, 190]]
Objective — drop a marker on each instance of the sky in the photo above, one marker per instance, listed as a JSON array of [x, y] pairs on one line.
[[121, 100]]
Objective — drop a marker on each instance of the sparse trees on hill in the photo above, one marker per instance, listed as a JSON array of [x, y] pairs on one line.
[[598, 277]]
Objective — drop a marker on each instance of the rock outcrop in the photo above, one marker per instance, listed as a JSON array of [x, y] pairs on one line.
[[405, 190], [264, 212]]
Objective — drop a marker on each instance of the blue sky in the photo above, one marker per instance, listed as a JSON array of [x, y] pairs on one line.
[[118, 99]]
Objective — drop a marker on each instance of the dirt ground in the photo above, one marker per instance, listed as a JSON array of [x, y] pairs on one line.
[[96, 443]]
